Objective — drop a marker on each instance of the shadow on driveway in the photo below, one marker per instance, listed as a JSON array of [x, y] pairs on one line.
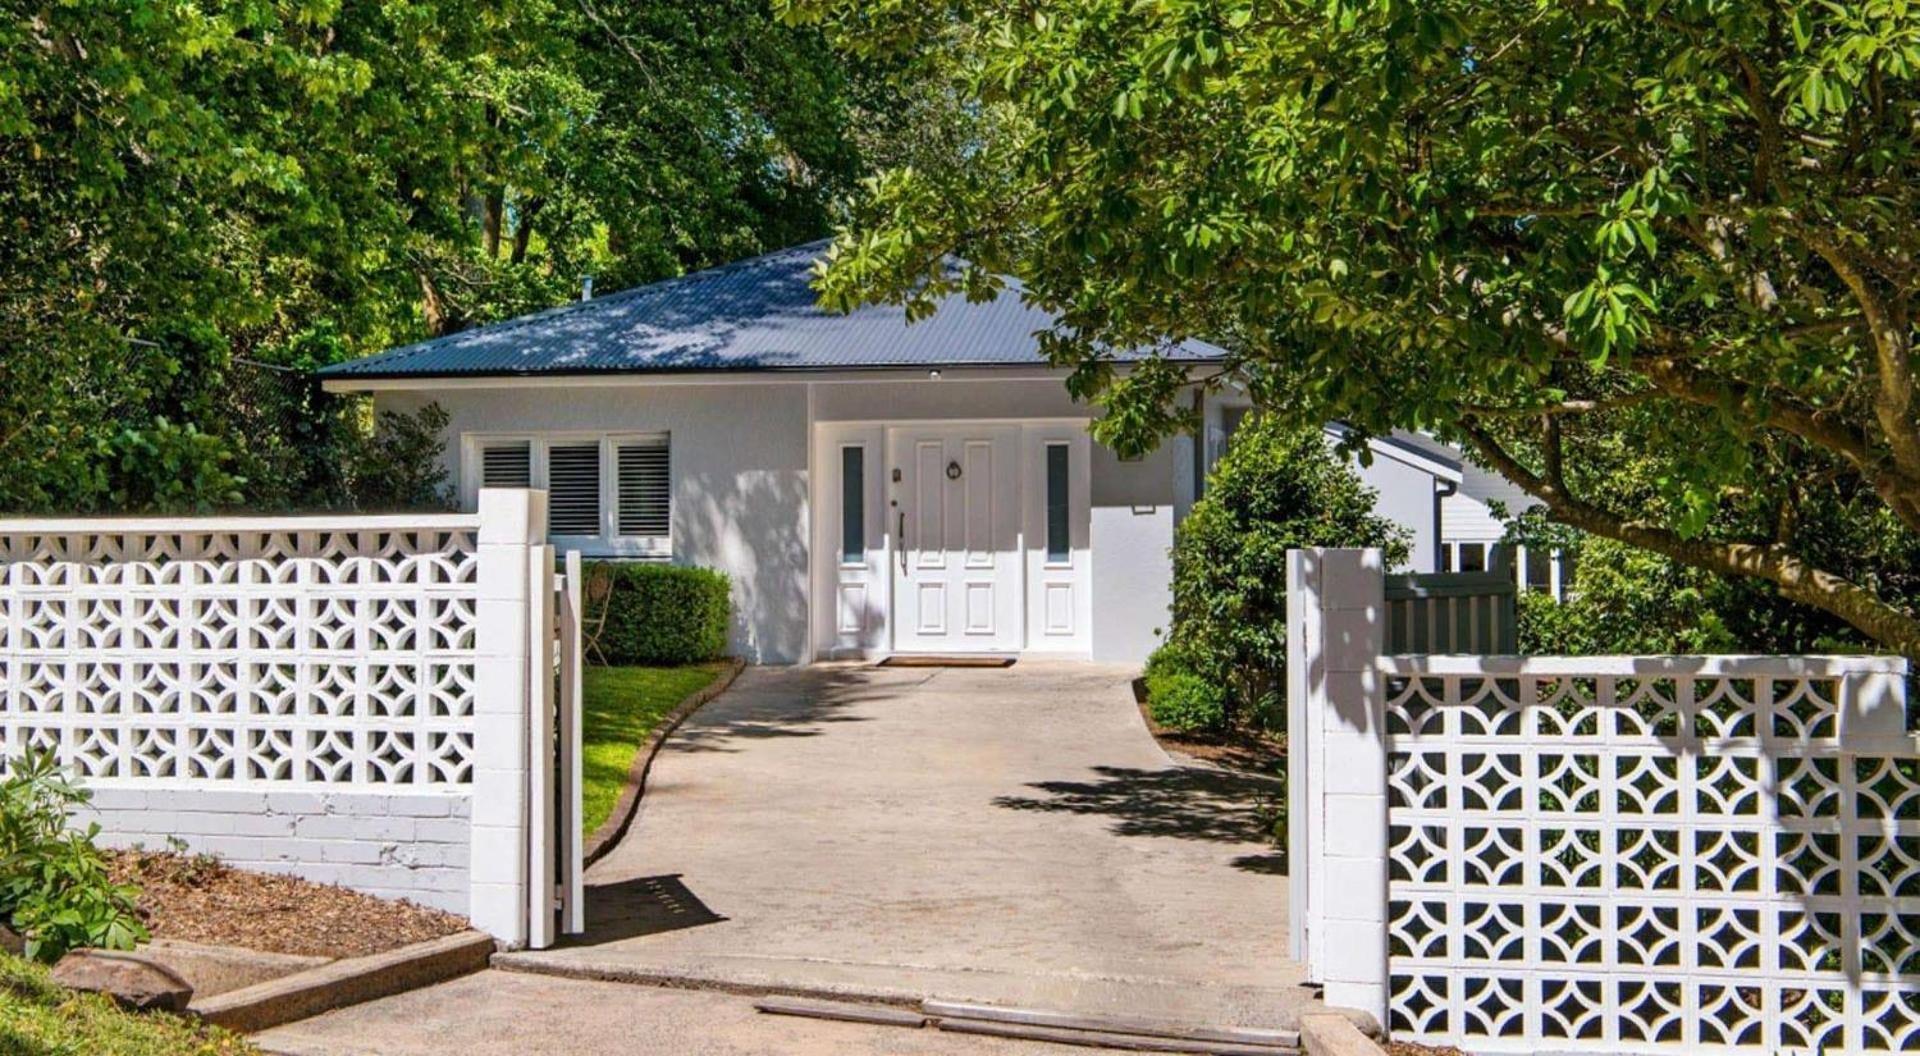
[[645, 905], [747, 714], [1187, 802]]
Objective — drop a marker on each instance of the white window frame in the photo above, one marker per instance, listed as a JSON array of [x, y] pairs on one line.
[[609, 542], [1558, 583]]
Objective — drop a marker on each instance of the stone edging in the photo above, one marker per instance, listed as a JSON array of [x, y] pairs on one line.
[[1334, 1034], [349, 981], [608, 834]]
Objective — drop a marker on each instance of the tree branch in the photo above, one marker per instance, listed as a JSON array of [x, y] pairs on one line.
[[1892, 348], [1773, 563]]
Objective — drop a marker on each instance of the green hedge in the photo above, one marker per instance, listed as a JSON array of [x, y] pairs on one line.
[[656, 614], [1178, 698]]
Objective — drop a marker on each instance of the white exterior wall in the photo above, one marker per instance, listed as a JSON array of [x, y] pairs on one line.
[[738, 463], [1467, 515], [1133, 519], [740, 471], [1406, 497], [407, 846], [1407, 492]]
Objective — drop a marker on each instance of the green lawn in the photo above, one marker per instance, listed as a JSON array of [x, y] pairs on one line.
[[622, 705], [38, 1018]]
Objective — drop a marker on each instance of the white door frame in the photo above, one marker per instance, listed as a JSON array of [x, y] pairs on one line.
[[855, 599]]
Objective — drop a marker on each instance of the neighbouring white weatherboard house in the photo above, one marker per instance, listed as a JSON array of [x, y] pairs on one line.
[[872, 487]]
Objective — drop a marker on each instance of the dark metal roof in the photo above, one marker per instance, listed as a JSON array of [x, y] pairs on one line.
[[752, 315]]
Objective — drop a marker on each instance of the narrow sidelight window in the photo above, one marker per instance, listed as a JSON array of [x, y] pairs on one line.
[[1058, 546], [573, 489], [853, 504]]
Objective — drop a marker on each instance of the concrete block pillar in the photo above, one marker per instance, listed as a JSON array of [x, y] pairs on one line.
[[513, 526], [1337, 770]]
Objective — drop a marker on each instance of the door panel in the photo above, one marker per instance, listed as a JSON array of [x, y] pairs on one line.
[[958, 587], [927, 513]]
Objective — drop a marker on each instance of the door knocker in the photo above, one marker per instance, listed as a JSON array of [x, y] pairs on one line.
[[953, 470]]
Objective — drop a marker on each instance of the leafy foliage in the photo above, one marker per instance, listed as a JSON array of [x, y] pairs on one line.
[[641, 613], [204, 202], [1280, 486], [39, 1017], [1180, 698], [1626, 601], [54, 886], [1555, 232]]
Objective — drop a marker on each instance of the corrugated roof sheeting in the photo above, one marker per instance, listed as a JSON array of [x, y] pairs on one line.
[[756, 314]]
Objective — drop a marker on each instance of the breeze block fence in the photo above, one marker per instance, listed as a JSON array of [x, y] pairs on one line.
[[1600, 854], [354, 700]]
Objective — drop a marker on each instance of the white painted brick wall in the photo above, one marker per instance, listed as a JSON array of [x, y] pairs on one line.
[[413, 845]]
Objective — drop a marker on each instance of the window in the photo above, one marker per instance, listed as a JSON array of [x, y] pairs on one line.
[[507, 464], [1539, 568], [646, 495], [609, 494], [853, 504], [573, 488], [1058, 544]]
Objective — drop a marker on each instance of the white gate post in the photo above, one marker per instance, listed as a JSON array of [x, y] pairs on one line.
[[513, 526], [542, 846], [1337, 769], [573, 917]]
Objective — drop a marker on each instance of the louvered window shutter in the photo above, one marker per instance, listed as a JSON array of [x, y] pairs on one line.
[[573, 488], [506, 464], [646, 503]]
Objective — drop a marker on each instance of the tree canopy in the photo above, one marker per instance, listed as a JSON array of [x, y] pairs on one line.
[[1653, 260], [198, 202]]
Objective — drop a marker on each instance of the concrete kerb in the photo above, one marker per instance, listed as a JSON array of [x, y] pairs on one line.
[[610, 831], [349, 981], [1335, 1035]]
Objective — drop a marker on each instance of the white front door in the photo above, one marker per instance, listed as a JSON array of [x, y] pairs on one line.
[[954, 506]]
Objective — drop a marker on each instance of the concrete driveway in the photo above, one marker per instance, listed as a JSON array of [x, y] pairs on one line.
[[1012, 836]]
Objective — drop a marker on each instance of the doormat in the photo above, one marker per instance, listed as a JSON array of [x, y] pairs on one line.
[[947, 661]]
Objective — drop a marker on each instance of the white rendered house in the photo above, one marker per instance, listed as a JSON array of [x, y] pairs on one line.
[[872, 487]]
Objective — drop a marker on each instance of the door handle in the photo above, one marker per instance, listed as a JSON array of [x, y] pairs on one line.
[[901, 536]]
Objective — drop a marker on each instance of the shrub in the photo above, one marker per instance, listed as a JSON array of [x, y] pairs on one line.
[[1180, 698], [656, 614], [396, 465], [54, 887], [1279, 487]]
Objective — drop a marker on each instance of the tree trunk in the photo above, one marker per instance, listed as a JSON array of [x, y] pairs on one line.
[[523, 228], [490, 222], [434, 307]]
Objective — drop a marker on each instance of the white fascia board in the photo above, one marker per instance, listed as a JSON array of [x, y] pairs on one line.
[[1386, 447], [429, 383]]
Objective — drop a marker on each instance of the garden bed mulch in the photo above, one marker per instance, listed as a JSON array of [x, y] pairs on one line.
[[1408, 1048], [1245, 750], [196, 898]]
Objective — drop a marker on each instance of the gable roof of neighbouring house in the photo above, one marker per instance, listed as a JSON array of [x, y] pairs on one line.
[[752, 315]]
